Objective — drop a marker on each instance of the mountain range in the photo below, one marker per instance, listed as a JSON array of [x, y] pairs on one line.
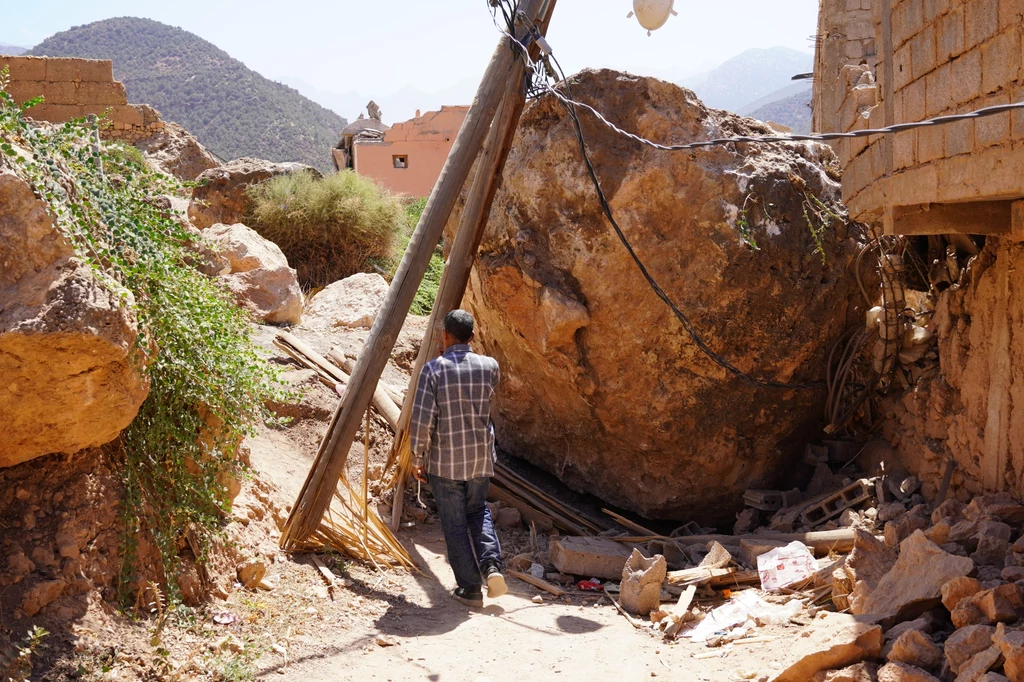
[[230, 108], [12, 49]]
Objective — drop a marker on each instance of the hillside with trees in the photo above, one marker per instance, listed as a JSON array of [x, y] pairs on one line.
[[230, 108]]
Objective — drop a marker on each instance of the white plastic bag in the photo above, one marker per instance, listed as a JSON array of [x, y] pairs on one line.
[[785, 565]]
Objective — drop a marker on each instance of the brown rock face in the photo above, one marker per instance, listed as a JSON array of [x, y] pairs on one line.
[[176, 152], [601, 384], [66, 361], [220, 196]]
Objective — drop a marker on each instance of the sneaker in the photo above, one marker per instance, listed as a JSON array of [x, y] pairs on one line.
[[496, 586], [472, 597]]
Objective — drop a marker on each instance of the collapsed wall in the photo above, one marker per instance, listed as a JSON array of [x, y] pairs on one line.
[[601, 385], [75, 88], [943, 182]]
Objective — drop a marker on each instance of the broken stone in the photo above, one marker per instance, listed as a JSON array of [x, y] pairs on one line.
[[40, 595], [1011, 644], [949, 510], [900, 529], [997, 604], [751, 548], [19, 565], [917, 649], [640, 588], [250, 573], [1012, 574], [717, 557], [220, 194], [915, 582], [350, 302], [746, 522], [959, 588], [966, 643], [590, 556], [902, 672], [870, 559], [850, 518], [939, 533], [926, 623], [993, 677], [982, 662], [998, 505], [991, 551], [890, 511], [509, 518]]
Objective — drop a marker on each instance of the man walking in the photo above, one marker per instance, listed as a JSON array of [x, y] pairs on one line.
[[452, 441]]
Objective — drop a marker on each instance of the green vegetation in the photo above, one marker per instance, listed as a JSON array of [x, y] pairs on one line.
[[427, 292], [207, 384], [328, 228], [230, 108], [16, 659]]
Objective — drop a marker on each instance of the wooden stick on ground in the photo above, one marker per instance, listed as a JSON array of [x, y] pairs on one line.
[[537, 582], [315, 498]]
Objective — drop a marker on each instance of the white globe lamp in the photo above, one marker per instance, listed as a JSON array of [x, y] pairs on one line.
[[652, 14]]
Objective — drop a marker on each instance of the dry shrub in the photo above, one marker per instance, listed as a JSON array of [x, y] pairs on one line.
[[328, 228]]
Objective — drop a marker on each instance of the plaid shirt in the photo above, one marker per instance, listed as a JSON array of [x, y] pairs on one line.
[[451, 418]]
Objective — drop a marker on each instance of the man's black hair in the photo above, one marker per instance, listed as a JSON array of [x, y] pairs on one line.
[[459, 324]]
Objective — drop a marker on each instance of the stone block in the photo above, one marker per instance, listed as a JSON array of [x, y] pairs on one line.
[[966, 643], [958, 589], [1011, 644], [22, 91], [55, 113], [991, 551], [949, 35], [959, 137], [84, 70], [914, 107], [981, 22], [902, 71], [1011, 13], [965, 77], [938, 91], [1000, 61], [990, 131], [922, 52], [752, 548], [25, 68], [640, 589], [126, 114], [931, 144], [100, 94], [916, 648], [982, 662], [911, 20], [590, 556]]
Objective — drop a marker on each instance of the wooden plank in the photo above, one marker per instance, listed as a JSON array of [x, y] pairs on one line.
[[510, 479], [697, 576], [530, 514], [822, 542], [537, 582], [308, 511], [626, 523]]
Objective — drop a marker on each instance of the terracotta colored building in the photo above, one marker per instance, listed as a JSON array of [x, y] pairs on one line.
[[408, 157]]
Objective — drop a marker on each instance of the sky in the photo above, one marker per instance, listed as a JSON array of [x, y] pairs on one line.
[[378, 48]]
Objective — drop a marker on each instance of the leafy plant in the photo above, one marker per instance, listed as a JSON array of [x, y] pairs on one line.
[[819, 218], [207, 383], [16, 659], [427, 291], [328, 228]]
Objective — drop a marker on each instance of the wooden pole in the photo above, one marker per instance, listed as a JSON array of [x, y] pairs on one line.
[[464, 248], [317, 491]]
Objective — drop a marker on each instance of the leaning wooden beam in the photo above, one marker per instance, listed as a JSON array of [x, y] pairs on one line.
[[315, 498], [382, 400], [463, 252]]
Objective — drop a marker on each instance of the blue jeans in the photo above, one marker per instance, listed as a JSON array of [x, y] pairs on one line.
[[468, 528]]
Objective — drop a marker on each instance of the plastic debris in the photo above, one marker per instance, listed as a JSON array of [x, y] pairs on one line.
[[785, 565]]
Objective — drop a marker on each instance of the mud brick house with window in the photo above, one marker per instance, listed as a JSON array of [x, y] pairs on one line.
[[408, 157]]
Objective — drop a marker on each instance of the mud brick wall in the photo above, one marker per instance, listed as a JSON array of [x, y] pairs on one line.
[[75, 88], [935, 57]]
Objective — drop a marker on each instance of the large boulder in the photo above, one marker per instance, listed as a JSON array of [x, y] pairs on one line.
[[601, 383], [350, 302], [258, 276], [69, 377], [220, 194]]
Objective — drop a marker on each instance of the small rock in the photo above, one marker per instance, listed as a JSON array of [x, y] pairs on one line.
[[902, 672], [1012, 574], [537, 599], [917, 649], [43, 556], [19, 565], [890, 511], [957, 589], [1011, 644], [383, 641], [950, 509], [991, 551], [939, 533], [509, 518], [966, 643], [926, 623], [229, 643], [993, 677], [980, 664], [251, 572], [900, 529], [860, 672], [909, 485], [850, 518], [1018, 545], [40, 595], [521, 562]]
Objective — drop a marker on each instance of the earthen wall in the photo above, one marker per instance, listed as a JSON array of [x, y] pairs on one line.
[[75, 88]]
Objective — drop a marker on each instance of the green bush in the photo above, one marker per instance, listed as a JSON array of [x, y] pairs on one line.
[[427, 291], [328, 228], [207, 383]]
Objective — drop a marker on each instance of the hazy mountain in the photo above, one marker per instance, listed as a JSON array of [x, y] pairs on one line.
[[231, 109], [797, 88], [749, 76], [793, 111], [12, 49]]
